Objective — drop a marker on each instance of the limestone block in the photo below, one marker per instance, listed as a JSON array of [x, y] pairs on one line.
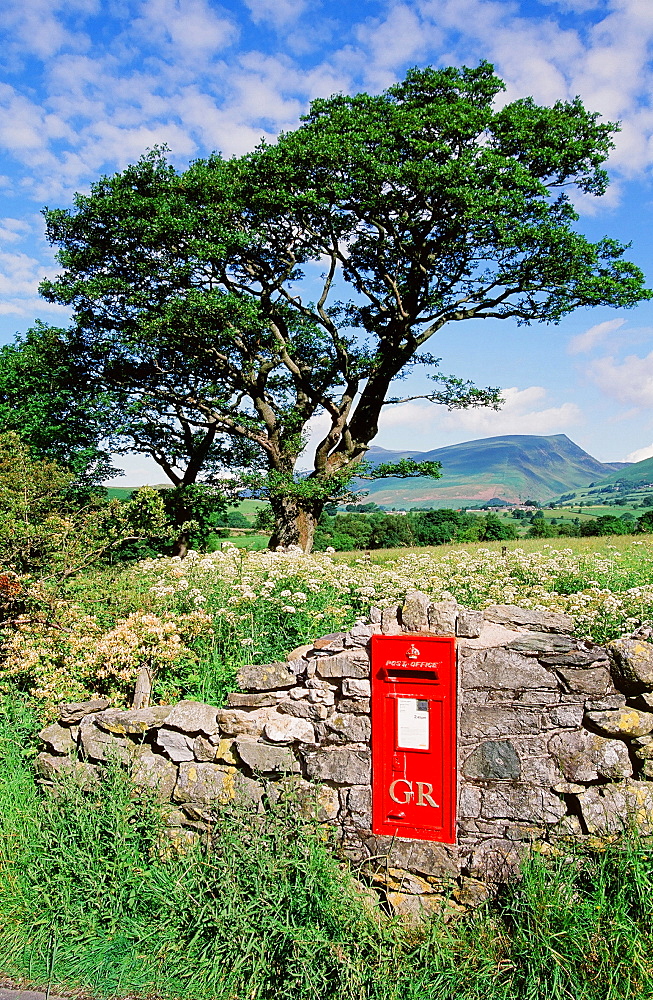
[[153, 771], [587, 655], [609, 703], [321, 697], [496, 859], [82, 773], [178, 746], [469, 802], [340, 765], [390, 624], [584, 756], [415, 611], [135, 721], [224, 751], [193, 717], [297, 693], [610, 809], [98, 745], [540, 621], [233, 722], [647, 770], [495, 720], [349, 728], [591, 680], [265, 677], [632, 662], [237, 699], [299, 653], [526, 803], [493, 759], [76, 710], [58, 739], [538, 643], [333, 642], [207, 783], [421, 856], [500, 668], [375, 616], [406, 882], [358, 804], [288, 729], [567, 716], [354, 688], [203, 749], [360, 635], [622, 722], [304, 709], [319, 802], [343, 665], [263, 758], [469, 623], [442, 617], [359, 706]]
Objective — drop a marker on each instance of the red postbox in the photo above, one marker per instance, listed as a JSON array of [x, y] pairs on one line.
[[414, 737]]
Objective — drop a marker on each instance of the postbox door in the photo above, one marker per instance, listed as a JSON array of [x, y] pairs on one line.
[[414, 737]]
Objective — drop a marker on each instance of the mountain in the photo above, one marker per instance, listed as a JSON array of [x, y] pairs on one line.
[[513, 467], [639, 473]]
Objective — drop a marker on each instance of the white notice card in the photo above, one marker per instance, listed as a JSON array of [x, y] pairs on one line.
[[413, 723]]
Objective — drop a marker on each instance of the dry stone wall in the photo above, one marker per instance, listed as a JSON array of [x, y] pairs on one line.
[[555, 738]]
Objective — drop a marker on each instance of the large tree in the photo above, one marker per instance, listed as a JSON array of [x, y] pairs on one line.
[[403, 212]]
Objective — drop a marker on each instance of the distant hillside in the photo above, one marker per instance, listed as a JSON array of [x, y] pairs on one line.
[[635, 474], [513, 467]]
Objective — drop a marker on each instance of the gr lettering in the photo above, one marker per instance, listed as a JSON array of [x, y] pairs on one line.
[[403, 795]]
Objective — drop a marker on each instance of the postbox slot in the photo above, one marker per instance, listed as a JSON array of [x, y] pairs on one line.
[[413, 674]]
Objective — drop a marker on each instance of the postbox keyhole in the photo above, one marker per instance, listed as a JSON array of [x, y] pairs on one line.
[[397, 762]]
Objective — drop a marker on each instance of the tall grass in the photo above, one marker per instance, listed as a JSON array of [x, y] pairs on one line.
[[90, 900]]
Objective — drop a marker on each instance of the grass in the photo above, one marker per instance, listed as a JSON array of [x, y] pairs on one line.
[[90, 901], [593, 545]]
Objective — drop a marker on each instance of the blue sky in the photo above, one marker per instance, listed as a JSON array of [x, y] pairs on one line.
[[87, 85]]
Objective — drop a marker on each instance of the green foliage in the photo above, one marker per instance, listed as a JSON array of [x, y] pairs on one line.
[[606, 525], [47, 399], [645, 522], [359, 530], [44, 529]]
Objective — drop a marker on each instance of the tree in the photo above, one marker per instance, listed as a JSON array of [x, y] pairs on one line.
[[426, 206], [494, 530], [46, 399], [645, 522]]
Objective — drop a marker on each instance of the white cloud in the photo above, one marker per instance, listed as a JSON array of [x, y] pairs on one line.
[[640, 454], [629, 381], [280, 13], [187, 27], [139, 470], [584, 342], [521, 413]]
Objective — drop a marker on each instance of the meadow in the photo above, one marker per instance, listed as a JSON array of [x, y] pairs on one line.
[[91, 896]]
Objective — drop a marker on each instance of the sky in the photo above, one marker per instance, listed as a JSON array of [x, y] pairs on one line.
[[86, 86]]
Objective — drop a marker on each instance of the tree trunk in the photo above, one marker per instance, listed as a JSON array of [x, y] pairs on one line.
[[180, 548], [294, 524]]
